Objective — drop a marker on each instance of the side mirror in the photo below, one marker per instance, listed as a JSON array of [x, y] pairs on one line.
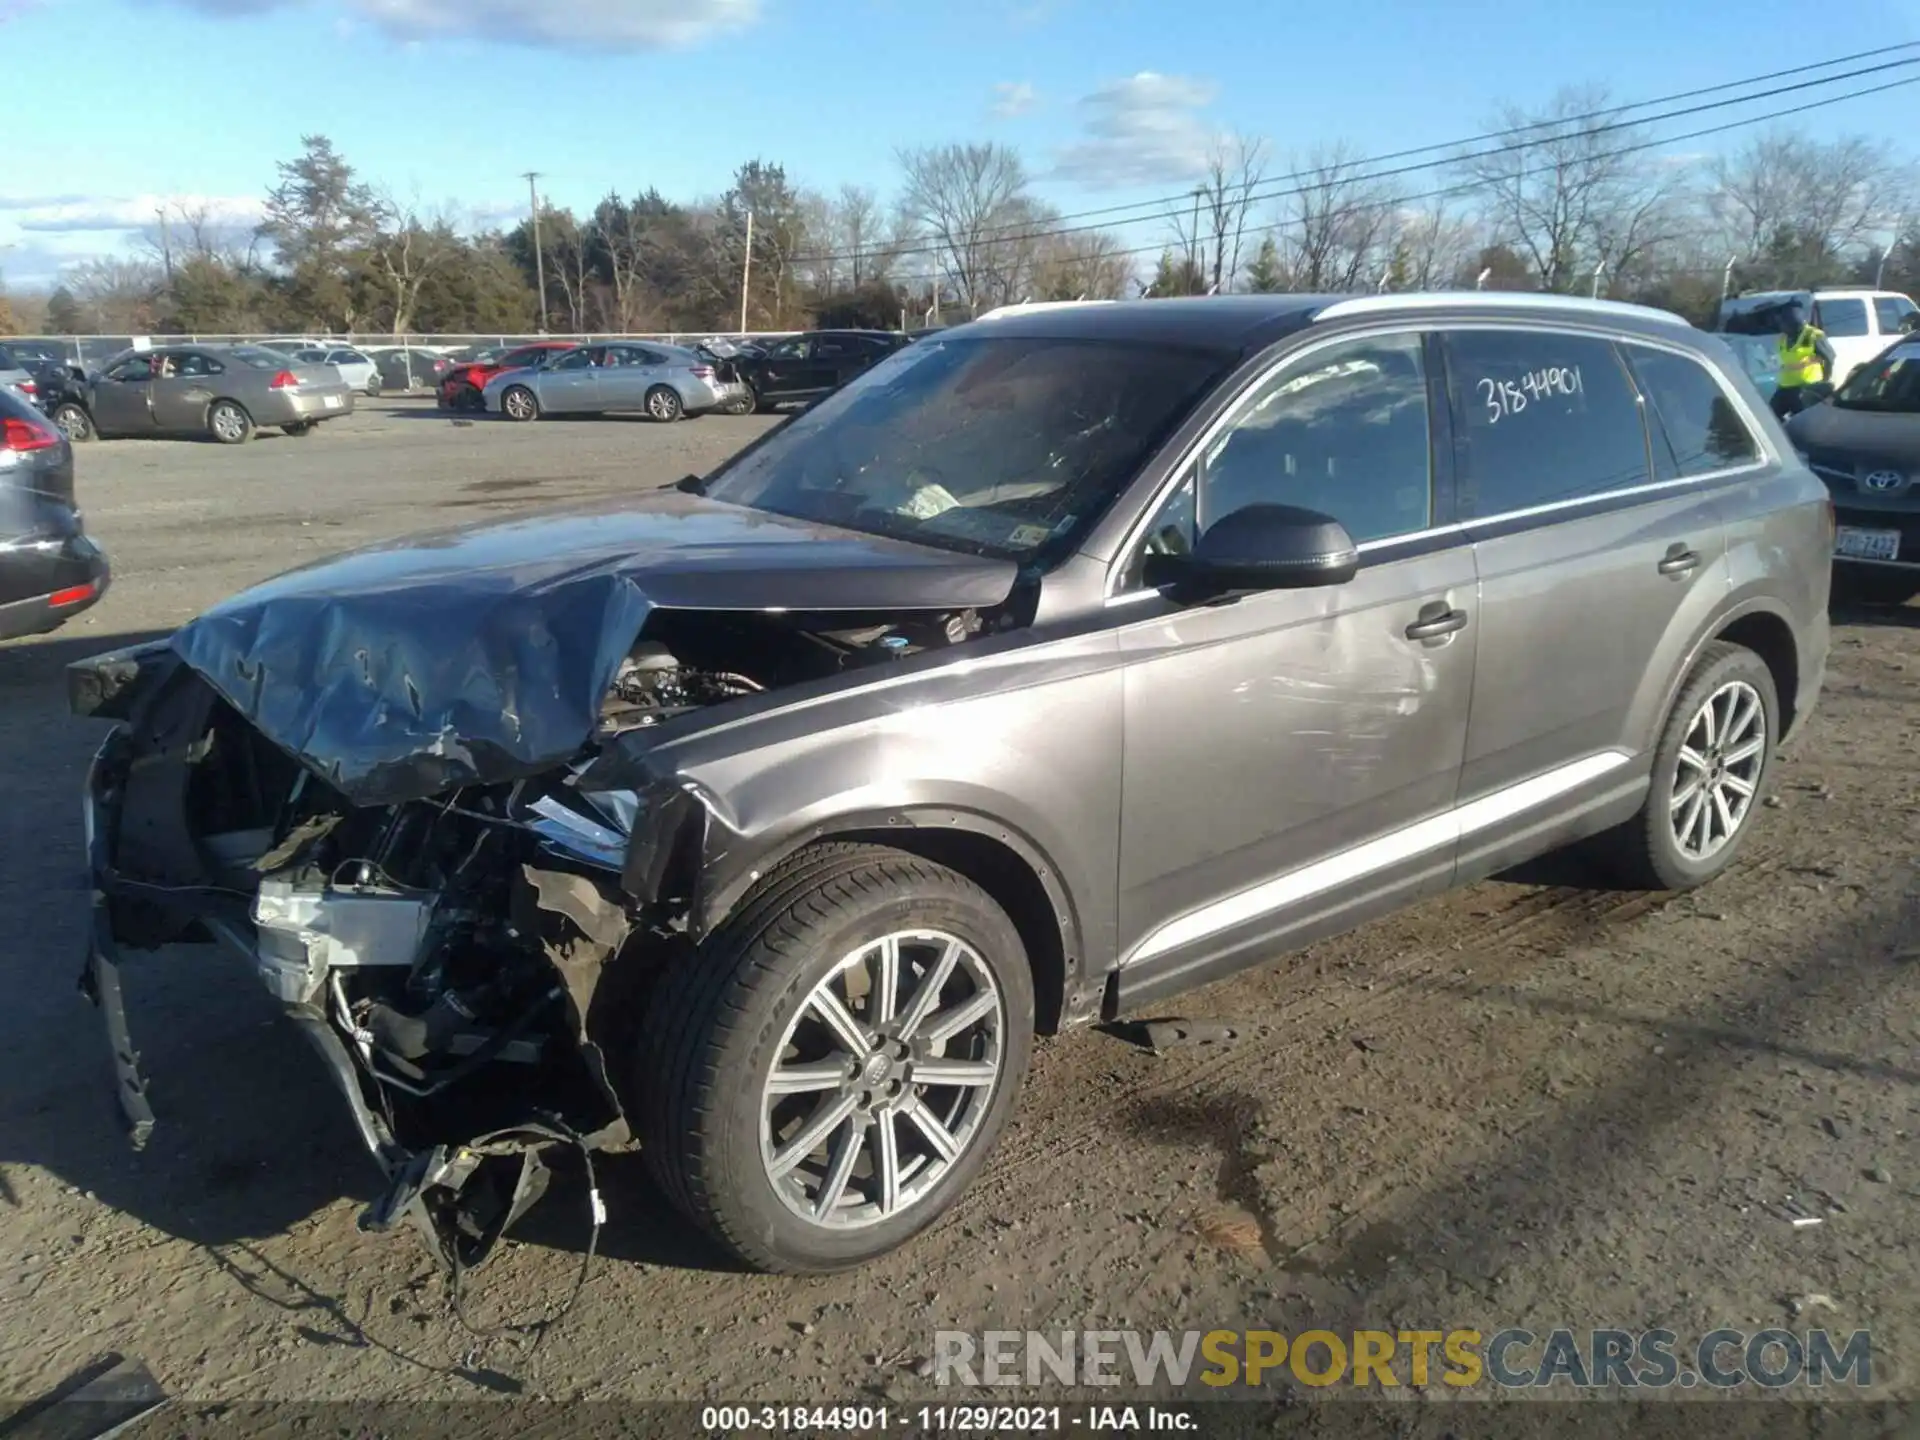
[[1261, 547]]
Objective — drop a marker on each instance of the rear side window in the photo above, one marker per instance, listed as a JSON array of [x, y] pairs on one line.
[[1695, 428], [1843, 319], [1540, 419]]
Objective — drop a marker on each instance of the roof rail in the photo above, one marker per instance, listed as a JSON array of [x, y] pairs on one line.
[[1028, 307], [1493, 299]]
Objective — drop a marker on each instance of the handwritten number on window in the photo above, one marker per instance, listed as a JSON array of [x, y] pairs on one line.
[[1505, 399]]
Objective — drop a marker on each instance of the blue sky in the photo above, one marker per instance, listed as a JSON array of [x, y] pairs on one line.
[[446, 101]]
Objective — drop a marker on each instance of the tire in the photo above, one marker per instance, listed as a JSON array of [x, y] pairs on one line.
[[728, 1014], [760, 406], [520, 403], [373, 389], [229, 423], [298, 428], [663, 404], [743, 405], [1647, 851], [72, 421], [469, 400]]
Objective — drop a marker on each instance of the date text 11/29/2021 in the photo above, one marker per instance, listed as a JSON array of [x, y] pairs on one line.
[[941, 1419]]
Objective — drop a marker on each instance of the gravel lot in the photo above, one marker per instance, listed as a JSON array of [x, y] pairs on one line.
[[1524, 1104]]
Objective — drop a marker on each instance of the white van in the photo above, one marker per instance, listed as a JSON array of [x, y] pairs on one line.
[[1859, 322]]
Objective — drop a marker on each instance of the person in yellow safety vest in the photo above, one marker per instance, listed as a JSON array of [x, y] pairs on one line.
[[1806, 361]]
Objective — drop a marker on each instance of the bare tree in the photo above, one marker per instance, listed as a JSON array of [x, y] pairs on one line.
[[969, 203], [1563, 194], [1431, 245], [1785, 188], [1339, 225], [1236, 165], [407, 250], [1087, 265], [116, 296]]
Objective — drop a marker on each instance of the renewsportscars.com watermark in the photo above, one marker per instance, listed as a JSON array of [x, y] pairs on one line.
[[1511, 1359]]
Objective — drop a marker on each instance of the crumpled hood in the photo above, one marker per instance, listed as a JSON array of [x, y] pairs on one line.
[[483, 654]]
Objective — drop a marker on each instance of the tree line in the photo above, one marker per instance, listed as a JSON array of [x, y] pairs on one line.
[[1585, 204]]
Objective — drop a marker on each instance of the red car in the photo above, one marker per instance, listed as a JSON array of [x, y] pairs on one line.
[[460, 387]]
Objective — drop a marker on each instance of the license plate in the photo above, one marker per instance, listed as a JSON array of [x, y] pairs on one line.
[[1867, 544], [332, 402]]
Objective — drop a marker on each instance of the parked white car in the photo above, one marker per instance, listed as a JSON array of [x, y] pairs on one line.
[[1859, 322], [360, 371]]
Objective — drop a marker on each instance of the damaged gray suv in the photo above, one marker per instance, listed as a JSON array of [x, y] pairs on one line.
[[1061, 662]]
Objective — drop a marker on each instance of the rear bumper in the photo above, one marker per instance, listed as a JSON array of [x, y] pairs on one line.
[[66, 577], [291, 407]]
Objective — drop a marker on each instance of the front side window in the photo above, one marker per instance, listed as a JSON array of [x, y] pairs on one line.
[[1540, 418], [1841, 319], [574, 360], [1007, 446], [1893, 312], [133, 371], [1890, 383], [1694, 427], [788, 350], [1343, 432]]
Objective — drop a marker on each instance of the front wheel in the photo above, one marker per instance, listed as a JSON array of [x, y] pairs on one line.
[[228, 424], [72, 421], [831, 1070], [373, 389], [741, 404], [1709, 774], [520, 403], [298, 428], [663, 404]]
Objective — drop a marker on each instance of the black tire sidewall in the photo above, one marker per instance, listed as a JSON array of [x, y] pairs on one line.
[[1674, 868], [743, 1197]]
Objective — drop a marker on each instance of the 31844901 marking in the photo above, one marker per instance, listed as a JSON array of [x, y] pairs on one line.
[[1507, 398]]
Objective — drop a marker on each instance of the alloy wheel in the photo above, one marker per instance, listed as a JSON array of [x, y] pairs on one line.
[[1718, 776], [519, 404], [883, 1079], [228, 423]]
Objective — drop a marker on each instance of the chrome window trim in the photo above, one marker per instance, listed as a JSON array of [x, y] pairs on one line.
[[1769, 455]]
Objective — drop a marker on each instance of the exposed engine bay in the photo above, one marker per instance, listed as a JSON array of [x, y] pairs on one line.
[[470, 964]]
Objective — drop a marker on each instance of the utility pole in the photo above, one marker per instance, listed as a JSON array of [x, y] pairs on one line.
[[539, 258], [746, 273]]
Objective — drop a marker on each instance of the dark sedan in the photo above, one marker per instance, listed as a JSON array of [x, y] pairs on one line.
[[805, 367], [49, 570], [1865, 443]]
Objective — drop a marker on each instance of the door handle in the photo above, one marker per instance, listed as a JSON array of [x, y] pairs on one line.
[[1679, 560], [1436, 620]]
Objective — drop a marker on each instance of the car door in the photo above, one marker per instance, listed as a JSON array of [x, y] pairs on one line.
[[838, 358], [1588, 475], [183, 388], [786, 371], [122, 397], [1292, 756], [571, 382], [625, 376], [1848, 324]]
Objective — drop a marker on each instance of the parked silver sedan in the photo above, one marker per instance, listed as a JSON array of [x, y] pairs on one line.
[[664, 381], [226, 392]]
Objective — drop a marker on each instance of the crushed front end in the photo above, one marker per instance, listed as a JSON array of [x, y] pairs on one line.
[[449, 957]]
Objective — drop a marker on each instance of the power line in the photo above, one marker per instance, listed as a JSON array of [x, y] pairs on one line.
[[1013, 233], [1468, 187]]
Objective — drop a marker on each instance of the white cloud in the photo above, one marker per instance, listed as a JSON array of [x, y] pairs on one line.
[[80, 214], [1144, 130], [599, 25], [1013, 97]]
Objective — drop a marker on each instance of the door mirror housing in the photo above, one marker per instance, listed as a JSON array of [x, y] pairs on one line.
[[1261, 547]]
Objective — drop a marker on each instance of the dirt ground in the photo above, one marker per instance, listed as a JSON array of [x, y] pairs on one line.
[[1527, 1104]]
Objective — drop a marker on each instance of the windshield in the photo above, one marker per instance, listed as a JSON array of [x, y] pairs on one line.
[[996, 446], [1890, 383]]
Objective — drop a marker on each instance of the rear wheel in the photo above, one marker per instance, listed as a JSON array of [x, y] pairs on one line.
[[299, 427], [1709, 774], [828, 1074], [520, 403], [663, 404], [73, 422], [373, 388], [229, 423]]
